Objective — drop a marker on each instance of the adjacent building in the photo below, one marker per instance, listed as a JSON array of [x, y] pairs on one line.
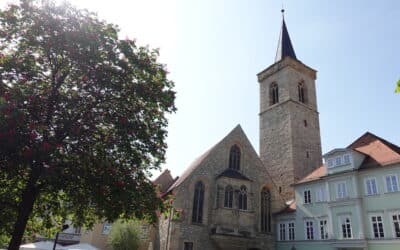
[[351, 202]]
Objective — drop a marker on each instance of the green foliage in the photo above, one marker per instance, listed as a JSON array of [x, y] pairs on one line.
[[397, 90], [82, 119], [125, 235]]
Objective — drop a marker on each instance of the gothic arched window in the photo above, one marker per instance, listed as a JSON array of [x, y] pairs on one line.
[[234, 158], [228, 197], [198, 200], [243, 198], [301, 91], [265, 210], [274, 93]]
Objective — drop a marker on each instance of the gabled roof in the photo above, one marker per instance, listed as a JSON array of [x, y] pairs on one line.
[[164, 180], [285, 47], [196, 163], [378, 151], [230, 173]]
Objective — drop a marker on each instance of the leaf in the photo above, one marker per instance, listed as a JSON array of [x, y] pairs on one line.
[[397, 90]]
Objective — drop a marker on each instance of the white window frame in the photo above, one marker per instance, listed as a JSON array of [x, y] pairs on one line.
[[393, 214], [342, 219], [370, 179], [391, 184], [338, 160], [324, 227], [344, 159], [293, 228], [320, 194], [345, 191], [372, 226], [308, 191], [282, 227], [311, 224], [330, 162]]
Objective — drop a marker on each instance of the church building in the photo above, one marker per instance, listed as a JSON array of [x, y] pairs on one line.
[[227, 197]]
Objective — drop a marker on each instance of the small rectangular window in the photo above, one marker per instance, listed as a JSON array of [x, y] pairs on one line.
[[370, 186], [338, 161], [188, 246], [346, 159], [323, 229], [396, 224], [282, 231], [341, 190], [330, 163], [392, 183], [291, 231], [106, 228], [307, 197], [377, 226], [309, 230]]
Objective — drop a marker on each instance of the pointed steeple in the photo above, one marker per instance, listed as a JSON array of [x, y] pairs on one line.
[[285, 47]]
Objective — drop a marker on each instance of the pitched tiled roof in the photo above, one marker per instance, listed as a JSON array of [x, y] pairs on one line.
[[314, 175], [230, 173], [378, 151], [190, 169]]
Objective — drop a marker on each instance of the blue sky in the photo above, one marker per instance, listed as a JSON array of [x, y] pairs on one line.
[[222, 45], [215, 48]]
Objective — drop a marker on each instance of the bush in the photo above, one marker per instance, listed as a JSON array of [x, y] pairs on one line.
[[124, 235]]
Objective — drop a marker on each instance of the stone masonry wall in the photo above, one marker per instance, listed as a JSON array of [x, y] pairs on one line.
[[214, 216], [290, 144]]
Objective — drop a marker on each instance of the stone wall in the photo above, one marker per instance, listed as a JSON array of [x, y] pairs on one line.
[[219, 223]]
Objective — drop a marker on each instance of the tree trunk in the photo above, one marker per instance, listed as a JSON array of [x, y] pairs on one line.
[[24, 211]]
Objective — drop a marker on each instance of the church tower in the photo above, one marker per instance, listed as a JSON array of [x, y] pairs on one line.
[[290, 143]]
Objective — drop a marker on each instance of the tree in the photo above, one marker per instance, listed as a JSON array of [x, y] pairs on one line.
[[82, 119], [124, 235], [397, 90]]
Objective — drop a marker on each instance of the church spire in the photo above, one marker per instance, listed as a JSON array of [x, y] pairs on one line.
[[285, 47]]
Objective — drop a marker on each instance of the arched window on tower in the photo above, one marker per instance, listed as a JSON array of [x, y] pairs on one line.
[[198, 200], [274, 93], [234, 158], [301, 90], [243, 198], [228, 202], [265, 210]]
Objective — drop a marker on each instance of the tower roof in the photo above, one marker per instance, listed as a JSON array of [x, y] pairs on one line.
[[285, 47]]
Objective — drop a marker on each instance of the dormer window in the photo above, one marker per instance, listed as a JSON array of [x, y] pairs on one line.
[[234, 158], [340, 160], [346, 159]]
